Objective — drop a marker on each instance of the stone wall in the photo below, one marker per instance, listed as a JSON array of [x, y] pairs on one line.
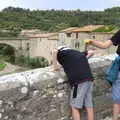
[[40, 94]]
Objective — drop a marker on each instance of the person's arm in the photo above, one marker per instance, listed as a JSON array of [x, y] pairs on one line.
[[101, 44], [88, 53], [55, 64]]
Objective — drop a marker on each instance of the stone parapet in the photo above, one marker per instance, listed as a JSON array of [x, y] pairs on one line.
[[40, 94]]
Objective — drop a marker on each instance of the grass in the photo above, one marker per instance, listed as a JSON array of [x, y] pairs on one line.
[[108, 28], [2, 65]]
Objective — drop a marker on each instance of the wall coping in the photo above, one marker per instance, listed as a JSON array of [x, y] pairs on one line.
[[28, 78]]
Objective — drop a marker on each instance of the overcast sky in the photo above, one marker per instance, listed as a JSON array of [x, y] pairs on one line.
[[61, 4]]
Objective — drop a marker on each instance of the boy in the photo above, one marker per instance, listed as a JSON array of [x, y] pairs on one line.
[[76, 67]]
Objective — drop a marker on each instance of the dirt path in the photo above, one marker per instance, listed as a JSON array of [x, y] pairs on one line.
[[11, 69]]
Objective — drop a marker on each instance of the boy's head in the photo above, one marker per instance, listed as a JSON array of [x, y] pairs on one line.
[[60, 47]]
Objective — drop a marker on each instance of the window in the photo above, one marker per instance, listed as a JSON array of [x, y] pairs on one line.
[[77, 44], [93, 37], [28, 46], [76, 35], [68, 34]]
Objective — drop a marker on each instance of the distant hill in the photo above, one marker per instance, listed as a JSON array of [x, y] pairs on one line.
[[15, 19]]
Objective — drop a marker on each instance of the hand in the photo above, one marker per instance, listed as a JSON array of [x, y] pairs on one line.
[[54, 50], [90, 53]]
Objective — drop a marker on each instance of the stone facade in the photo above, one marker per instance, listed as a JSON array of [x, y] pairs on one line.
[[76, 40], [40, 94], [19, 45], [33, 43], [41, 47]]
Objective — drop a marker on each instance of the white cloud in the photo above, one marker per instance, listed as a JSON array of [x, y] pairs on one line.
[[6, 3], [58, 4]]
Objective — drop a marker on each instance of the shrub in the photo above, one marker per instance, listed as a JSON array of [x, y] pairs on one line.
[[2, 65], [33, 62]]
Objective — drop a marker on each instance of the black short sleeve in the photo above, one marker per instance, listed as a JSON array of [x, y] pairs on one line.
[[116, 38]]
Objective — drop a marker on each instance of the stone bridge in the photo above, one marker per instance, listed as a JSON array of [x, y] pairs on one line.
[[40, 94], [18, 44]]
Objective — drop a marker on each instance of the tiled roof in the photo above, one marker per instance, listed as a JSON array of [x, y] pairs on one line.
[[69, 29], [44, 35], [30, 31], [88, 28], [40, 35]]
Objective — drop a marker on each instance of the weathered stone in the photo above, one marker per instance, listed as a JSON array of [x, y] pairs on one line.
[[24, 90], [0, 115], [40, 94]]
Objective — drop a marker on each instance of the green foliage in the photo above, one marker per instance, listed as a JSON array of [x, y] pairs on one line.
[[2, 65], [32, 62], [16, 19], [108, 28], [9, 34], [11, 59], [6, 49], [113, 9], [7, 52]]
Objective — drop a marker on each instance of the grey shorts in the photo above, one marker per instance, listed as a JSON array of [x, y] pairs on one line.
[[84, 95]]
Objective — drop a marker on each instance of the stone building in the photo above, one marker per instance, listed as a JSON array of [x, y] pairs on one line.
[[75, 38], [40, 44], [65, 36]]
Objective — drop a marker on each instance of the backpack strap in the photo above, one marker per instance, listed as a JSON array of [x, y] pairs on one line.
[[74, 87], [75, 90]]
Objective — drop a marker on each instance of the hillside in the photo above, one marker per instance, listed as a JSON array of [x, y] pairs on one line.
[[15, 19]]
